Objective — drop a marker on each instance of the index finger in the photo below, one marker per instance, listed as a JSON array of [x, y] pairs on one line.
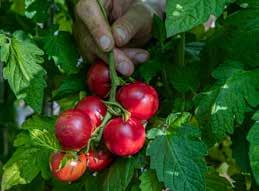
[[91, 14]]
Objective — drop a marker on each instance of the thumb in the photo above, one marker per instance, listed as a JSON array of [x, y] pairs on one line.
[[138, 18]]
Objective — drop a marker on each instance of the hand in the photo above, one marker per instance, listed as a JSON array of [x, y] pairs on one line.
[[131, 27]]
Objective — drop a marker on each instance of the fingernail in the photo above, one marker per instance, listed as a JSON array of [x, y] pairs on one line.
[[105, 42], [124, 68], [141, 57], [121, 34]]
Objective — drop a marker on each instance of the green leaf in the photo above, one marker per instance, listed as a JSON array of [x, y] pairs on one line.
[[5, 43], [214, 182], [183, 15], [149, 69], [159, 30], [119, 175], [18, 6], [149, 181], [248, 3], [22, 70], [25, 164], [33, 152], [71, 85], [253, 138], [40, 11], [178, 159], [225, 104], [60, 47]]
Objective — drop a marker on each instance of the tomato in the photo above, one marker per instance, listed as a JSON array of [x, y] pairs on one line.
[[72, 170], [98, 160], [73, 129], [94, 108], [140, 99], [124, 138], [98, 79]]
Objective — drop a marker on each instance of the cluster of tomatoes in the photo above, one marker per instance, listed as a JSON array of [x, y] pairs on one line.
[[121, 136]]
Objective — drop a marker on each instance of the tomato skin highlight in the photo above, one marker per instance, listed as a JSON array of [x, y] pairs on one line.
[[98, 79], [140, 99], [94, 108], [73, 169], [124, 138], [73, 129], [98, 160]]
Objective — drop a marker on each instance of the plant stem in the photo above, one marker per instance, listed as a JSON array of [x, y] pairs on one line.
[[115, 81]]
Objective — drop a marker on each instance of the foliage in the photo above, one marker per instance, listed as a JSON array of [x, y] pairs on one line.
[[205, 135]]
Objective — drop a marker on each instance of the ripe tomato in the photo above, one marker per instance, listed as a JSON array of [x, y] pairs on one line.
[[98, 79], [72, 170], [140, 99], [124, 138], [73, 129], [98, 160], [94, 108]]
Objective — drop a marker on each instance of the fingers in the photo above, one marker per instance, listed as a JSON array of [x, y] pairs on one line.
[[119, 8], [123, 63], [136, 55], [87, 45], [137, 19], [90, 13]]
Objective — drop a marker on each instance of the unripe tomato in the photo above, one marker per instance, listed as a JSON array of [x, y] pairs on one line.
[[98, 160], [73, 129], [140, 99], [94, 108], [124, 138], [72, 170], [98, 79]]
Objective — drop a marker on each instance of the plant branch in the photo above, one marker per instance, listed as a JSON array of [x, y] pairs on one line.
[[115, 81], [2, 87]]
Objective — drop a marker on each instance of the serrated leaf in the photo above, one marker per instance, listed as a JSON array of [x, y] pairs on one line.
[[39, 11], [178, 159], [183, 15], [5, 43], [149, 69], [214, 182], [149, 182], [248, 3], [253, 138], [25, 164], [34, 146], [23, 72], [69, 86], [60, 47], [226, 104], [119, 175]]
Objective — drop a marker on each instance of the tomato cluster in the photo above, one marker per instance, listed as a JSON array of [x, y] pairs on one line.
[[121, 136]]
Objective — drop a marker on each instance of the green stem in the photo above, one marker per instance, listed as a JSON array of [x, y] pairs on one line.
[[115, 81], [97, 134]]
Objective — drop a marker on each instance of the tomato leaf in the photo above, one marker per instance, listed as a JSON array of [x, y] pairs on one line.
[[149, 181], [214, 182], [178, 159], [35, 145], [253, 138], [183, 15], [60, 47], [22, 70], [225, 104]]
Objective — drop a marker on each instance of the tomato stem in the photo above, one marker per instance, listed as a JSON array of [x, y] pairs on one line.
[[115, 81]]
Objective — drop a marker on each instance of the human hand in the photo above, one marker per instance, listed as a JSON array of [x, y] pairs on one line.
[[131, 27]]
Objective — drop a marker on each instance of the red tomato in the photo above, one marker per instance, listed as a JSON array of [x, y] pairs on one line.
[[140, 99], [98, 160], [73, 129], [98, 79], [72, 170], [94, 108], [124, 138]]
